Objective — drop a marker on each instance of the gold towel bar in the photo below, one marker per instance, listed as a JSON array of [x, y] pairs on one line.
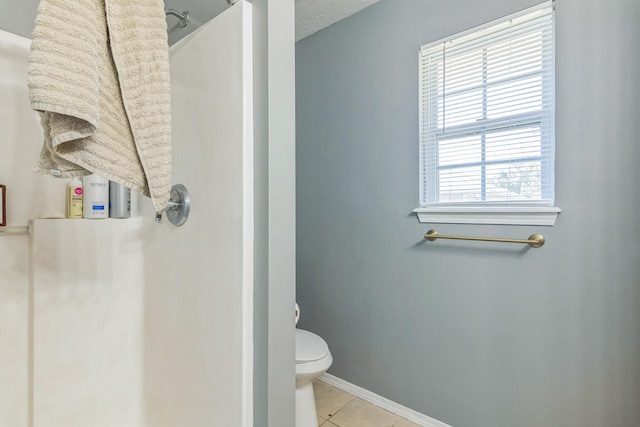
[[535, 240]]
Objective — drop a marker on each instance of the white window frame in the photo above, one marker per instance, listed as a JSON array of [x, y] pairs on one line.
[[518, 213]]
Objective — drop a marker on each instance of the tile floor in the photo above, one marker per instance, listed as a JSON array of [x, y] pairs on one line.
[[337, 408]]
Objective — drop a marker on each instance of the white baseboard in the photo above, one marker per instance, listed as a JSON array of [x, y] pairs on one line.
[[382, 402]]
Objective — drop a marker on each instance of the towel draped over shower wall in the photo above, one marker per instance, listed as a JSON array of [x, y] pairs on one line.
[[99, 76]]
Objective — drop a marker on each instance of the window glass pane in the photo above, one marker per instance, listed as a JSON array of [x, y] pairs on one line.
[[513, 58], [460, 185], [455, 151], [514, 97], [461, 109], [513, 144], [463, 71], [513, 181]]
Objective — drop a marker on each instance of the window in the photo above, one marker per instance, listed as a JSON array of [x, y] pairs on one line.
[[487, 123]]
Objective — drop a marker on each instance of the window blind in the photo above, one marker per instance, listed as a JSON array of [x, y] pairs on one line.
[[487, 114]]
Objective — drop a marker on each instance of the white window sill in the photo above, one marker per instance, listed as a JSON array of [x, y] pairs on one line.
[[489, 215]]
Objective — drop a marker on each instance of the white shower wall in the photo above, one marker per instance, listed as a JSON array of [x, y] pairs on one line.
[[199, 277], [28, 195], [86, 338], [71, 294]]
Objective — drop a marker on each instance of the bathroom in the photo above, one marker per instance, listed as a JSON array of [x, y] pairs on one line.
[[467, 333]]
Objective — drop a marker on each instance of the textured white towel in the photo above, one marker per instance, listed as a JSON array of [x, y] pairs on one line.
[[99, 76]]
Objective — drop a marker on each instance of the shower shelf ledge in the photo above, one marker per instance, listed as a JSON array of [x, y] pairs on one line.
[[14, 230]]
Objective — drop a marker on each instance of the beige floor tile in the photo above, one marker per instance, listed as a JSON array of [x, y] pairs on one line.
[[328, 424], [405, 423], [321, 420], [359, 413], [329, 399]]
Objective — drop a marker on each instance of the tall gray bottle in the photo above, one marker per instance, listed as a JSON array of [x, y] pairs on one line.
[[119, 201]]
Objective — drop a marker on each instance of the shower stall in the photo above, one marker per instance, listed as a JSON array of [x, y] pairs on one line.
[[131, 323]]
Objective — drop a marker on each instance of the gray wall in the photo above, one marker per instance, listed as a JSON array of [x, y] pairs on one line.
[[472, 334]]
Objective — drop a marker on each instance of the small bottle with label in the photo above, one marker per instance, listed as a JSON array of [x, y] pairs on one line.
[[96, 197], [74, 198]]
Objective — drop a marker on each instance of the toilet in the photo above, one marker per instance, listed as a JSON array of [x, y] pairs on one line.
[[313, 358]]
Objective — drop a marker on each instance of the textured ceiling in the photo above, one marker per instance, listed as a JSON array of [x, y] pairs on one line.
[[314, 15], [311, 15]]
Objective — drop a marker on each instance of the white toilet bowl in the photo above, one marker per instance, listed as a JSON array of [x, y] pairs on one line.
[[312, 360]]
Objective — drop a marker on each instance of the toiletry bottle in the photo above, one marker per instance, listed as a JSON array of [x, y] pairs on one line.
[[119, 201], [96, 197], [74, 198], [134, 204]]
